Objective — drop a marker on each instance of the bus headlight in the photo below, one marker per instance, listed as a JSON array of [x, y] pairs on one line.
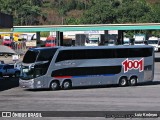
[[39, 82], [156, 48]]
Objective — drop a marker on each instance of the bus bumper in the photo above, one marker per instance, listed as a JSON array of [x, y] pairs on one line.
[[26, 84]]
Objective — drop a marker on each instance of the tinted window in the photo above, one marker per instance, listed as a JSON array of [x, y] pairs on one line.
[[135, 52], [103, 53], [121, 53], [140, 52], [39, 55], [41, 69], [46, 54], [77, 71], [30, 56], [85, 54], [64, 55], [147, 52], [99, 53], [78, 54]]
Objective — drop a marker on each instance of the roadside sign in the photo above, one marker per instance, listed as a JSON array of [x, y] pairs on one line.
[[32, 43]]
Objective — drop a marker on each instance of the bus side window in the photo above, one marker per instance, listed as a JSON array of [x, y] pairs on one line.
[[121, 53], [64, 55], [78, 54]]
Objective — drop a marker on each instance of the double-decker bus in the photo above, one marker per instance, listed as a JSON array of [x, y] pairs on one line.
[[67, 67]]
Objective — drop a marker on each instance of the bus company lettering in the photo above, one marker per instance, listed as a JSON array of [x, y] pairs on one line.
[[133, 64]]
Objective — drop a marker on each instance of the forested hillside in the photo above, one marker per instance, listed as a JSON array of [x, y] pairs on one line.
[[47, 12]]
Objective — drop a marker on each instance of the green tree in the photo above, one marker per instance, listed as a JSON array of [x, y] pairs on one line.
[[72, 21], [28, 14], [101, 12], [24, 12], [117, 11], [133, 11]]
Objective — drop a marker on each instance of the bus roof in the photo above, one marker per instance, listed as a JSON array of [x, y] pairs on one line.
[[93, 47]]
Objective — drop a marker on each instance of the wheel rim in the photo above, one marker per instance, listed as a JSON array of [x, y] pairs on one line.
[[133, 81], [54, 85], [66, 85], [123, 82]]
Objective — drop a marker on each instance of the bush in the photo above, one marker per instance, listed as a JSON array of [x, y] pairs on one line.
[[44, 34]]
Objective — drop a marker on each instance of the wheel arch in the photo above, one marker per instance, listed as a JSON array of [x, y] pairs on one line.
[[53, 86], [55, 80], [133, 76], [120, 78], [66, 80]]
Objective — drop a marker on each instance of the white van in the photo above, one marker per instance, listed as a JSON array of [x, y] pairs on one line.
[[126, 41], [155, 42]]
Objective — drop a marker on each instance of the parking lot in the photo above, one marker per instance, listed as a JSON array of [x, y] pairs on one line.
[[109, 98]]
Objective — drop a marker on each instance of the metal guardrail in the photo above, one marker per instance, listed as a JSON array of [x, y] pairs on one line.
[[19, 47]]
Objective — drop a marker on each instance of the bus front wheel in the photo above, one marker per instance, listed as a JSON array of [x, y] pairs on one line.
[[67, 85], [54, 85], [123, 82]]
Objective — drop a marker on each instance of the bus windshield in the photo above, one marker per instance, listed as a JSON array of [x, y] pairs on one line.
[[39, 61], [30, 56]]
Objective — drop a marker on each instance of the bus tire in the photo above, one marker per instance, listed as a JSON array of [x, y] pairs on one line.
[[67, 84], [54, 85], [123, 82], [133, 81]]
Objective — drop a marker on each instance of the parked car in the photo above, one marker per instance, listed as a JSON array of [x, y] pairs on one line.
[[8, 70], [6, 51], [50, 41], [7, 41]]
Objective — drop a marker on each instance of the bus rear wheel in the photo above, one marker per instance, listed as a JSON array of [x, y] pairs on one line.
[[133, 81], [123, 82], [67, 85], [54, 85]]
